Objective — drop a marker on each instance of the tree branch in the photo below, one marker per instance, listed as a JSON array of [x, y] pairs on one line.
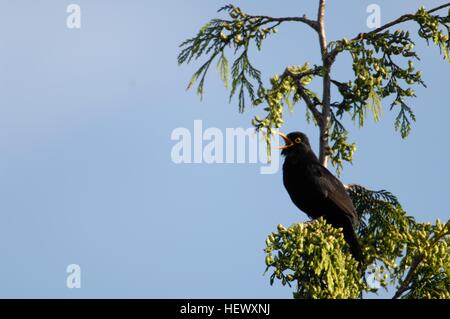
[[326, 95], [407, 17], [310, 104], [405, 285], [321, 22], [301, 90], [313, 24], [404, 18]]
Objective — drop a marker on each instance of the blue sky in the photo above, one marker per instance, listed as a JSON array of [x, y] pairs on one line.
[[86, 175]]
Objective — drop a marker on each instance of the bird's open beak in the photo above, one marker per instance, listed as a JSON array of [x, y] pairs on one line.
[[287, 141]]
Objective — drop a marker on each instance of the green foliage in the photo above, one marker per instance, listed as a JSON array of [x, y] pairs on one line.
[[286, 90], [341, 149], [378, 73], [398, 250], [430, 29], [236, 34], [382, 218], [377, 62], [414, 256], [428, 255], [379, 76], [311, 254]]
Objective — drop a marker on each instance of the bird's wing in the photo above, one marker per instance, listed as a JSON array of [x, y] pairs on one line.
[[331, 188]]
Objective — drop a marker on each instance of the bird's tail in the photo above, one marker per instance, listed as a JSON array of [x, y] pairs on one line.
[[352, 241]]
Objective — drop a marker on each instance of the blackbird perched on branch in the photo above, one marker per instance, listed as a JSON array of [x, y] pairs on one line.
[[316, 191]]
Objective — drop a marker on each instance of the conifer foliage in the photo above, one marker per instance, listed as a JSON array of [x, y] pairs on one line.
[[313, 258]]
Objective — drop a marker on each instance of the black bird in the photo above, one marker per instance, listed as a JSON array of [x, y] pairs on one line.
[[316, 191]]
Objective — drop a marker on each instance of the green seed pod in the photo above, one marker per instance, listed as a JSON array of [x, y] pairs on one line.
[[223, 37], [238, 39], [227, 26], [269, 260], [281, 228], [274, 80]]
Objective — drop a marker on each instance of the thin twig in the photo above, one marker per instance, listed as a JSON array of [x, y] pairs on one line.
[[409, 277], [404, 18], [301, 90], [310, 104], [313, 24]]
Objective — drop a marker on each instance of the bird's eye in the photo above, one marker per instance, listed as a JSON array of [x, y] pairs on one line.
[[298, 140]]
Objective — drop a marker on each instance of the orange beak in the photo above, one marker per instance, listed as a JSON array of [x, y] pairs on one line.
[[286, 139]]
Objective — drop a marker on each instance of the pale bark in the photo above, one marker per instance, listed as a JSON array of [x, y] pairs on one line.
[[324, 124]]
